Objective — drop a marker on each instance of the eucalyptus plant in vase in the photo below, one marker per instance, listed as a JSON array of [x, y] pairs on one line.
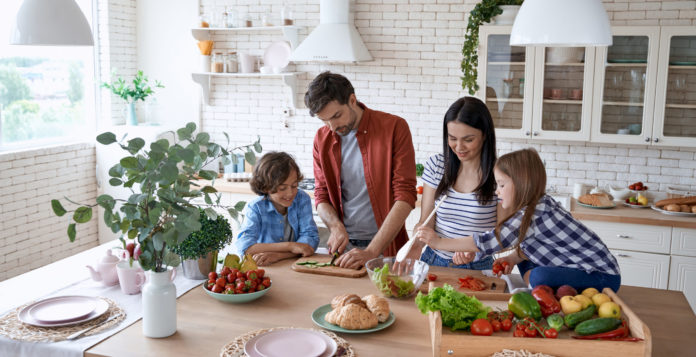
[[482, 13], [139, 90], [199, 251], [159, 213]]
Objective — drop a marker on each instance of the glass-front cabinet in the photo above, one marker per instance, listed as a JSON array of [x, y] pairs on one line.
[[675, 100], [501, 78], [625, 74]]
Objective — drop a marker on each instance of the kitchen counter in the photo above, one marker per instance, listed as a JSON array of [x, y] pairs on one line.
[[623, 214], [206, 324]]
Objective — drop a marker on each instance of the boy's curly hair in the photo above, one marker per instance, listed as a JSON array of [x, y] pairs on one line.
[[271, 171]]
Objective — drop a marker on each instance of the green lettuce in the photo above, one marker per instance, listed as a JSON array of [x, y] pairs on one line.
[[391, 285], [458, 310]]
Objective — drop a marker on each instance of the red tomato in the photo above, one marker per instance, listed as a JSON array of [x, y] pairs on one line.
[[212, 275], [481, 327], [225, 271], [550, 333], [505, 264], [221, 282], [259, 273], [217, 288], [420, 190], [432, 277], [497, 268], [506, 324], [518, 333], [530, 331], [497, 326]]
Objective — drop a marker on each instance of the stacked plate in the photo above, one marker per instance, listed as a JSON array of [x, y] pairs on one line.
[[291, 343], [63, 311]]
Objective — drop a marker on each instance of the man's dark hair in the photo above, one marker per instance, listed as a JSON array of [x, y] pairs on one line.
[[325, 88], [271, 171]]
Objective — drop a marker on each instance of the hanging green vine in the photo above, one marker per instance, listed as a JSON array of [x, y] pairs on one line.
[[483, 12]]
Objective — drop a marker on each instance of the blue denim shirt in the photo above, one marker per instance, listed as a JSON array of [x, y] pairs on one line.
[[263, 224]]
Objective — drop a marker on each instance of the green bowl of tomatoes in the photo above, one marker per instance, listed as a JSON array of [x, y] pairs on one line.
[[235, 287]]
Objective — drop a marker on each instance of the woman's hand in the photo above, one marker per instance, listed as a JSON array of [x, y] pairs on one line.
[[428, 236], [460, 258]]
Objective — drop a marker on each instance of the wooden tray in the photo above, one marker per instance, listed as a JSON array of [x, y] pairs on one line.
[[463, 343], [329, 270], [451, 276]]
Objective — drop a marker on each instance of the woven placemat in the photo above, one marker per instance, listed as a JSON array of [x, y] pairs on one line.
[[236, 347], [11, 327]]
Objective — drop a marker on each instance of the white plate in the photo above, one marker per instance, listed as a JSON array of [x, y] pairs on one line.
[[637, 206], [62, 309], [252, 349], [664, 211], [277, 55], [290, 343], [100, 308]]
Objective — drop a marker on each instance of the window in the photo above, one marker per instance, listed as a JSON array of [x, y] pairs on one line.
[[46, 92]]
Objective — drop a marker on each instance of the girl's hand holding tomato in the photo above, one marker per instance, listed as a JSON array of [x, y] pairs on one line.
[[428, 236]]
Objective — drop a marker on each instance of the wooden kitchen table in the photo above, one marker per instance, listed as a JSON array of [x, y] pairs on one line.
[[206, 324]]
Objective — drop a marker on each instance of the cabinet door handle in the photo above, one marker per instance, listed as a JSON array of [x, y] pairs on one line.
[[647, 139], [656, 139], [623, 236], [623, 255], [527, 133], [536, 133]]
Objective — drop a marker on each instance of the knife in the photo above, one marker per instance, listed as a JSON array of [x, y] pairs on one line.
[[333, 259], [81, 332]]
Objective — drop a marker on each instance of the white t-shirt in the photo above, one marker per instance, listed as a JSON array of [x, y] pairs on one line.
[[461, 214]]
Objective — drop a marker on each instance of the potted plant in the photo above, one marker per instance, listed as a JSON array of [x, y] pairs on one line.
[[159, 213], [139, 90], [482, 13], [199, 250]]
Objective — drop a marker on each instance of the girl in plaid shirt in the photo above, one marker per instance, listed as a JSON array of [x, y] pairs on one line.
[[550, 246]]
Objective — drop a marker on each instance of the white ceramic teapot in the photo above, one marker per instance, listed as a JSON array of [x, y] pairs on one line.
[[106, 270]]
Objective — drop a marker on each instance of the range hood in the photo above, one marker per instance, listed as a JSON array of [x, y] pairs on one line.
[[335, 39]]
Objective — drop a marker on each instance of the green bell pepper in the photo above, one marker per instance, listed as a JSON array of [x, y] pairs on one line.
[[523, 304], [555, 322]]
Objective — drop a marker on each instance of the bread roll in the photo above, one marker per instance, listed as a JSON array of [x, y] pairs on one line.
[[377, 305], [352, 317], [596, 199], [693, 209], [345, 299], [690, 200], [685, 208], [673, 207]]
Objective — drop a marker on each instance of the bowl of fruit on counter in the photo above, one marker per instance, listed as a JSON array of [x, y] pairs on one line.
[[238, 283]]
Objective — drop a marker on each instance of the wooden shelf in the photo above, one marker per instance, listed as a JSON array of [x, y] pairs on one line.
[[289, 79], [563, 101], [624, 104], [496, 63], [681, 67], [512, 100], [681, 106], [572, 64], [289, 32], [626, 64]]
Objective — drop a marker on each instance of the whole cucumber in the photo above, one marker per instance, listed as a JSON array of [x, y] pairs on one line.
[[598, 325], [575, 318]]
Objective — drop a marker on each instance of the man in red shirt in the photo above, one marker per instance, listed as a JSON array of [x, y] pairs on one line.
[[364, 172]]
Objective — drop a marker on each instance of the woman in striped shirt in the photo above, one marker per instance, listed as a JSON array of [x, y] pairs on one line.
[[463, 176]]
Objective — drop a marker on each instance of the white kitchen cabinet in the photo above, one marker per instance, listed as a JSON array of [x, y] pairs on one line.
[[684, 241], [635, 237], [643, 269], [529, 97], [682, 277], [625, 78]]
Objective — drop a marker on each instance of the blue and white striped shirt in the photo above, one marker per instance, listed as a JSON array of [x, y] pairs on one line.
[[461, 214], [553, 239]]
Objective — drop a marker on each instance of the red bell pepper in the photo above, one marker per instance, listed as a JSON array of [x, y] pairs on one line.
[[619, 334], [548, 303]]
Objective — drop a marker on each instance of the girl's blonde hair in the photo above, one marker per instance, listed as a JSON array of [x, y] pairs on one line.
[[528, 175]]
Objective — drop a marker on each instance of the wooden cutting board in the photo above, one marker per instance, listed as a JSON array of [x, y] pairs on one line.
[[451, 276], [329, 270]]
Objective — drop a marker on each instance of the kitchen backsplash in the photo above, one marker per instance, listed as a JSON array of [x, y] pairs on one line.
[[416, 45]]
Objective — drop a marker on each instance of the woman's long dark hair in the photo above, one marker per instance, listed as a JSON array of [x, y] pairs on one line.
[[474, 113]]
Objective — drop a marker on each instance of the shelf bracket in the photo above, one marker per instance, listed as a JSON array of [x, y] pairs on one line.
[[204, 81], [291, 82]]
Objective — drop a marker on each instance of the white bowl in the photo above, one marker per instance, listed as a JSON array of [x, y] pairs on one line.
[[619, 193]]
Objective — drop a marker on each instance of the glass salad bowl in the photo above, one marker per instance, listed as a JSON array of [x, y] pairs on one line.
[[392, 284]]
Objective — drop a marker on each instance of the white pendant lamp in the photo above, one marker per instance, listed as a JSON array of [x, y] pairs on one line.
[[561, 23], [51, 23]]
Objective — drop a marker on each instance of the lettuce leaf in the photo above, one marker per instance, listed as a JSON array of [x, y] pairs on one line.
[[391, 285], [457, 309]]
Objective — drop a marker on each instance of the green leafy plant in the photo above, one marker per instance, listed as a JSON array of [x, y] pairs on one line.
[[139, 90], [159, 212], [214, 235], [419, 170], [482, 13]]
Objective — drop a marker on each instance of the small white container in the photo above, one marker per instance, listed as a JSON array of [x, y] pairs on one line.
[[204, 64]]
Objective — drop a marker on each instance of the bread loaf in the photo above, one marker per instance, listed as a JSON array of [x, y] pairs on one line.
[[377, 305], [596, 199], [673, 207], [352, 317], [693, 209], [690, 200], [345, 299]]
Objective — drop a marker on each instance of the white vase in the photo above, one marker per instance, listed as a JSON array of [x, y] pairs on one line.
[[508, 15], [159, 304]]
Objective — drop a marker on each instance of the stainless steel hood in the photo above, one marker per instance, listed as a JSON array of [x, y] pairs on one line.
[[335, 39]]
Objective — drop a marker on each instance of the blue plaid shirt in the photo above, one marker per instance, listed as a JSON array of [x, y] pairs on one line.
[[554, 238], [263, 224]]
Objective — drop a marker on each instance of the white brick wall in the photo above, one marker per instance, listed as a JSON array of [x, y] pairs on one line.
[[30, 234], [417, 48]]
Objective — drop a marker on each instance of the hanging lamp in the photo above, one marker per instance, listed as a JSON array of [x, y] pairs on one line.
[[561, 23], [51, 23]]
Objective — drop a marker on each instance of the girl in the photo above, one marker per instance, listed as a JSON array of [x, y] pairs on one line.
[[279, 223], [464, 174], [551, 247]]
